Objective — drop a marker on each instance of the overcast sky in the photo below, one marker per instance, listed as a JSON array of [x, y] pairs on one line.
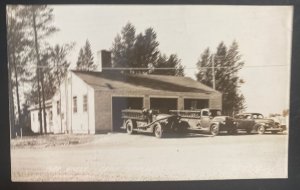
[[262, 32]]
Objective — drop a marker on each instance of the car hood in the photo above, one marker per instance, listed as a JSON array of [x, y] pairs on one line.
[[264, 120], [161, 116], [222, 118]]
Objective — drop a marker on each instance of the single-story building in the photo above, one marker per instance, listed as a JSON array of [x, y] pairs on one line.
[[91, 101], [34, 117]]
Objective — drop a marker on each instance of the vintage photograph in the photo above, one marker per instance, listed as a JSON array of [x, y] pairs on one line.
[[148, 92]]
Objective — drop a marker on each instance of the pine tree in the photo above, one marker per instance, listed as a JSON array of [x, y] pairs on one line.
[[17, 44], [85, 61], [226, 63], [80, 60], [123, 47], [145, 49], [203, 74], [141, 51], [40, 18], [170, 62]]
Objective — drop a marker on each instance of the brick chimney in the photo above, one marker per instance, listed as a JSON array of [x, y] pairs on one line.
[[104, 59]]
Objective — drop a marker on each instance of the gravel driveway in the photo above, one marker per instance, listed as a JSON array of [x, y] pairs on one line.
[[122, 157]]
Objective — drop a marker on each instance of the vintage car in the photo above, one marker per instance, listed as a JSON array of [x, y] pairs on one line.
[[206, 120], [280, 120], [148, 120], [256, 122]]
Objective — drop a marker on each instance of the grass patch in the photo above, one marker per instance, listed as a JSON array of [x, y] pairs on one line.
[[50, 140]]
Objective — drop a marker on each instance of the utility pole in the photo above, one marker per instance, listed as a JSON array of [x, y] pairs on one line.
[[38, 69], [213, 72]]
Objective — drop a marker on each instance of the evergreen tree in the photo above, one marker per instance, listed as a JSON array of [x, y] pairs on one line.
[[17, 49], [123, 47], [164, 65], [145, 49], [141, 51], [203, 74], [80, 60], [40, 19], [226, 64], [85, 61]]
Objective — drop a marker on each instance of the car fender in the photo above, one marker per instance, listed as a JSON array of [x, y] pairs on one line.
[[215, 123], [256, 125]]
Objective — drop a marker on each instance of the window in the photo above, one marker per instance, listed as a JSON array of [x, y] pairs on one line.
[[51, 116], [85, 103], [75, 104], [58, 107], [205, 113], [194, 104]]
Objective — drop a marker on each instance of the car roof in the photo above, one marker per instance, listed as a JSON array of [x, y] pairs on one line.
[[249, 114]]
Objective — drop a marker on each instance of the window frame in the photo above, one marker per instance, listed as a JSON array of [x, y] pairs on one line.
[[75, 108], [58, 107], [85, 103]]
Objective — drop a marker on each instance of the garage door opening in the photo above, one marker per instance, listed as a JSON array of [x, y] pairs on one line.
[[121, 103], [192, 104], [163, 104]]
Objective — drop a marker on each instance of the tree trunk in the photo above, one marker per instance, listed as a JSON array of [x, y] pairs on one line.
[[38, 69], [11, 103], [44, 105], [61, 127], [17, 93]]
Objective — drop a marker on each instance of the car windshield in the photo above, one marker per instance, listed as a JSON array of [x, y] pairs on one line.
[[215, 113], [242, 116]]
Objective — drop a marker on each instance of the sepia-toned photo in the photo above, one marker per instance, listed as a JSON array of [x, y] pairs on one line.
[[148, 92]]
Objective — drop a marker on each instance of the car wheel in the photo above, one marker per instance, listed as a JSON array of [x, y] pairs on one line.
[[214, 130], [129, 127], [260, 129], [158, 131]]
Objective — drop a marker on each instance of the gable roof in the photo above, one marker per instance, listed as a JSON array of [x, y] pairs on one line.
[[118, 81]]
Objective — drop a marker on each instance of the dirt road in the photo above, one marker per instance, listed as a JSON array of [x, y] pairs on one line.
[[121, 157]]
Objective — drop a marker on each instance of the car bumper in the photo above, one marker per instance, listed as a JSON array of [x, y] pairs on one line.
[[273, 129]]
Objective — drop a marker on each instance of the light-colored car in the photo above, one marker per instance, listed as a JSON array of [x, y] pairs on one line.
[[206, 120]]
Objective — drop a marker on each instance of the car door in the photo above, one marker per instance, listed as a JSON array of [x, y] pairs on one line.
[[244, 122]]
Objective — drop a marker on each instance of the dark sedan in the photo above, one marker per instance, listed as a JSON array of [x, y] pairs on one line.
[[256, 122]]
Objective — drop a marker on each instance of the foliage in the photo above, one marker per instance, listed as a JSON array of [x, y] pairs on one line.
[[60, 64], [226, 62], [141, 51], [17, 53], [168, 62], [85, 60]]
